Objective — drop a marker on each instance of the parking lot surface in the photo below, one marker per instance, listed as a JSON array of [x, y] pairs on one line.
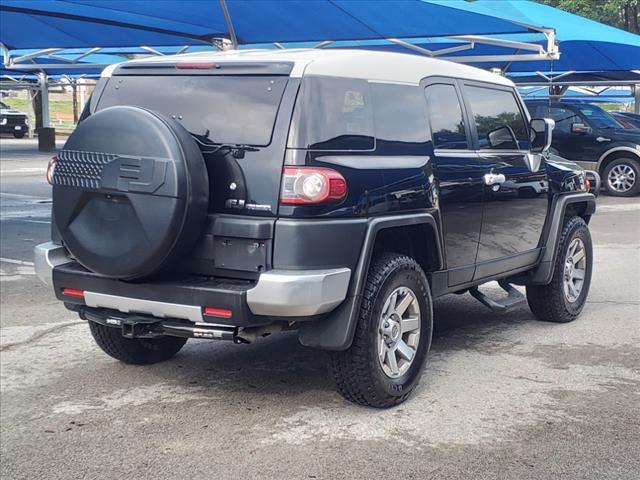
[[502, 396]]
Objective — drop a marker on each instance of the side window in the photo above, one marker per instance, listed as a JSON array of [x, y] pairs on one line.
[[400, 119], [445, 117], [498, 119], [333, 114], [563, 117]]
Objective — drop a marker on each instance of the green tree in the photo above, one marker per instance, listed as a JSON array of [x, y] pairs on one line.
[[624, 14]]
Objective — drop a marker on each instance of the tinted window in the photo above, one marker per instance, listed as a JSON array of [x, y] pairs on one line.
[[599, 118], [400, 117], [498, 119], [563, 117], [333, 114], [232, 109], [445, 116]]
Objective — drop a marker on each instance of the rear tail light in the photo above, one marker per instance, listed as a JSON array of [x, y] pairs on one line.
[[51, 166], [73, 292], [308, 185]]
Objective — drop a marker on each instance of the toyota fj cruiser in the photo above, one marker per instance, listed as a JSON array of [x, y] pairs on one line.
[[233, 195]]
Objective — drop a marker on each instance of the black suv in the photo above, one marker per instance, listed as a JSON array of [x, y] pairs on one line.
[[234, 195], [13, 121], [591, 137]]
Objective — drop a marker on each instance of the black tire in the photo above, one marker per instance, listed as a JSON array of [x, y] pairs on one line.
[[19, 134], [549, 302], [629, 163], [357, 371], [136, 351]]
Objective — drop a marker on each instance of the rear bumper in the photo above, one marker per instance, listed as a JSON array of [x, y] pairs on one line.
[[14, 128], [277, 293]]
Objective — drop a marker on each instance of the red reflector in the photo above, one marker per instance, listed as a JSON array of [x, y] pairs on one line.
[[217, 312], [195, 65], [73, 292]]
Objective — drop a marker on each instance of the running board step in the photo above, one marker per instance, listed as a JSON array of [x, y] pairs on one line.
[[514, 298]]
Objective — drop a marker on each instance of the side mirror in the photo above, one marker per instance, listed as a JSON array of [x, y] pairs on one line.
[[541, 134], [580, 128]]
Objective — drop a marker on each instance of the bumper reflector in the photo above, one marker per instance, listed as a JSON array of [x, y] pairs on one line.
[[217, 312], [73, 292]]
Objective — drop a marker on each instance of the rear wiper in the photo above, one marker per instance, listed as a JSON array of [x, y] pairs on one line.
[[237, 150]]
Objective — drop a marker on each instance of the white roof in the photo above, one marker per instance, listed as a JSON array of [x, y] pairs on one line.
[[366, 64]]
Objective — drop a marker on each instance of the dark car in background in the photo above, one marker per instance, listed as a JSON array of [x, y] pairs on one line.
[[13, 121], [628, 120], [591, 137]]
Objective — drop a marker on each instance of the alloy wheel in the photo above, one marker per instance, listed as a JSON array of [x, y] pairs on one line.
[[621, 178], [399, 332], [575, 267]]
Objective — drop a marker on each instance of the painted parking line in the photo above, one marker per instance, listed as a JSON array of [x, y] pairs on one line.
[[20, 196], [24, 170], [623, 207], [16, 262]]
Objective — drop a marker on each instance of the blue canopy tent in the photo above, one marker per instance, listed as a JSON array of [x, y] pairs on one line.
[[574, 94], [102, 23], [585, 45]]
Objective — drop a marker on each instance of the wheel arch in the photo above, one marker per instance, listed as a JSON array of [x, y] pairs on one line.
[[336, 331], [611, 154], [562, 207]]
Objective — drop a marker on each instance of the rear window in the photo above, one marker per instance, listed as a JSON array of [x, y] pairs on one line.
[[227, 109]]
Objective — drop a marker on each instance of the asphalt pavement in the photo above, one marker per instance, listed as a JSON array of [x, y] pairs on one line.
[[503, 396]]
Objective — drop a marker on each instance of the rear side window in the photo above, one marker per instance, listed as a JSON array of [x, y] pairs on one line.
[[333, 114], [226, 109], [445, 116], [499, 120], [400, 118]]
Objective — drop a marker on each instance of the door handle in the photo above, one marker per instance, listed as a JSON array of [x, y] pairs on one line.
[[494, 178]]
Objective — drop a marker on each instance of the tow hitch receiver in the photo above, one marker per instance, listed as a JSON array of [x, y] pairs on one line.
[[513, 299], [137, 326]]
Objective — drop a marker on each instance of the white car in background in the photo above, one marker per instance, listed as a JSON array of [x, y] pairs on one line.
[[13, 121]]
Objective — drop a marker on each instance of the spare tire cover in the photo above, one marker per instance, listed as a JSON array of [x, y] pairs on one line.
[[130, 192]]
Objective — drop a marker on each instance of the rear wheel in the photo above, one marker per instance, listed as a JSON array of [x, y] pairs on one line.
[[137, 351], [564, 298], [392, 338], [621, 177]]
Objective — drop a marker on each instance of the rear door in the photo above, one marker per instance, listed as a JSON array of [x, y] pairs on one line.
[[515, 199], [459, 173]]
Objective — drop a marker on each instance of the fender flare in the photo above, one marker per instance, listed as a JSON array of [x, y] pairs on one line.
[[620, 148], [543, 273], [337, 330]]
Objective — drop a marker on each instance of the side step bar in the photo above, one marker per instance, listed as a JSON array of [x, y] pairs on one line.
[[514, 298], [135, 326]]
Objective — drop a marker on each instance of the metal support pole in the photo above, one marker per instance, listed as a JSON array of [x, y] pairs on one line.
[[227, 20], [44, 92], [636, 96]]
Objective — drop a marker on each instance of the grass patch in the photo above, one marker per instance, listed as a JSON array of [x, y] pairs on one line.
[[57, 108]]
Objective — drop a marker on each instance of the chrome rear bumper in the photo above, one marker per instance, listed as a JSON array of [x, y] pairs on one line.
[[46, 256], [277, 293]]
